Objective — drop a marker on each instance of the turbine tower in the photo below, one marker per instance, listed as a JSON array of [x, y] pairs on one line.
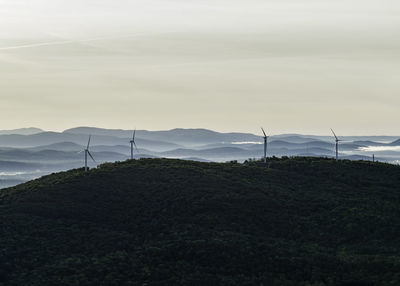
[[133, 143], [337, 140], [265, 145], [87, 152]]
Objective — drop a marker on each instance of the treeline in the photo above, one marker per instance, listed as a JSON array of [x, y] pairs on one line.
[[301, 221]]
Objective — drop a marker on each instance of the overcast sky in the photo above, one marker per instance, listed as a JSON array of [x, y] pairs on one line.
[[290, 65]]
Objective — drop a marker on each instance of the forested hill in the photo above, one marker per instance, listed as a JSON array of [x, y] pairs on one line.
[[303, 221]]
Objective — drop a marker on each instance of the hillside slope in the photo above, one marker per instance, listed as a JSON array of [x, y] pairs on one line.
[[303, 221]]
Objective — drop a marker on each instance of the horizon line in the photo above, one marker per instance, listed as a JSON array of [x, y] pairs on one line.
[[191, 128]]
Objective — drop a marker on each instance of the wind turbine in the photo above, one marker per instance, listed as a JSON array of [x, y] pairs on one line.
[[87, 152], [133, 143], [337, 140], [265, 145]]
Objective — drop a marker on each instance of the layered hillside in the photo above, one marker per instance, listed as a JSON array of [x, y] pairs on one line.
[[303, 221]]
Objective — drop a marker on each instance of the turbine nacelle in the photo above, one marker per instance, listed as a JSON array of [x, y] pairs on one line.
[[334, 134], [265, 135]]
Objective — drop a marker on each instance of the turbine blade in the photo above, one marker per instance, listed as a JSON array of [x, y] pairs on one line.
[[334, 134], [134, 133], [92, 157], [265, 135], [80, 152], [135, 146], [88, 143]]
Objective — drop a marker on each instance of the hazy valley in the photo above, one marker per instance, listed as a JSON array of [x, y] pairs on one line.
[[29, 153]]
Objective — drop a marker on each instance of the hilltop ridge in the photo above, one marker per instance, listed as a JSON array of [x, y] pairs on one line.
[[303, 221]]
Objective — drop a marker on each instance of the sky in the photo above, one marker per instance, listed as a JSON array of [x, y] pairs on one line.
[[292, 66]]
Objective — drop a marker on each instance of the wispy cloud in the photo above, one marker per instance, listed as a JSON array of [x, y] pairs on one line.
[[66, 42]]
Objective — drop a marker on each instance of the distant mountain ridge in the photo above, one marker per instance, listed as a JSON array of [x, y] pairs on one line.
[[47, 151], [22, 131], [50, 138], [186, 136]]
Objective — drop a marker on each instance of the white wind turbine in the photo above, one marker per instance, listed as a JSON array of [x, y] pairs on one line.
[[87, 152], [265, 145], [337, 140], [133, 143]]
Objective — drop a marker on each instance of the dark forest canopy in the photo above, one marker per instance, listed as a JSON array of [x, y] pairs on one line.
[[303, 221]]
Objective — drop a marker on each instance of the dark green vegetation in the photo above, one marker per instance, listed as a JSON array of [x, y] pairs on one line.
[[304, 221]]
